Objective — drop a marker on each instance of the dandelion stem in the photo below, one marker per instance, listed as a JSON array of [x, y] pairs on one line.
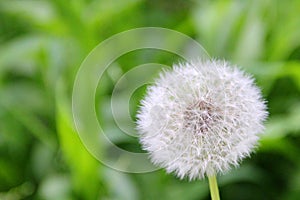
[[213, 186]]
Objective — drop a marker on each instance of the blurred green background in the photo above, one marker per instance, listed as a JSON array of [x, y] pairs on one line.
[[42, 44]]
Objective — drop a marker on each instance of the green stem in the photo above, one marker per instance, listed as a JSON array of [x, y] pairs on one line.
[[213, 186]]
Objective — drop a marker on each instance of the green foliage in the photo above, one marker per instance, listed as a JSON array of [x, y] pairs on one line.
[[42, 44]]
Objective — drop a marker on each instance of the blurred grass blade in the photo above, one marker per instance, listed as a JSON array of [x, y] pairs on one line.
[[84, 167]]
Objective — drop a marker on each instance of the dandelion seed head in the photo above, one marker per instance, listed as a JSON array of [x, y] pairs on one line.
[[201, 118]]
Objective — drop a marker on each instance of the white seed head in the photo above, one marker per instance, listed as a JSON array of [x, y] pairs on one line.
[[201, 118]]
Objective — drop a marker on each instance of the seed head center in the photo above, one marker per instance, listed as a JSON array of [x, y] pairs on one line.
[[198, 117]]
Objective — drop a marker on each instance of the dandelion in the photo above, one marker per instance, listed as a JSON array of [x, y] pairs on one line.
[[201, 118]]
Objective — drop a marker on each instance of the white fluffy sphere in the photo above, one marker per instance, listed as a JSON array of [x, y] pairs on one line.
[[201, 118]]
